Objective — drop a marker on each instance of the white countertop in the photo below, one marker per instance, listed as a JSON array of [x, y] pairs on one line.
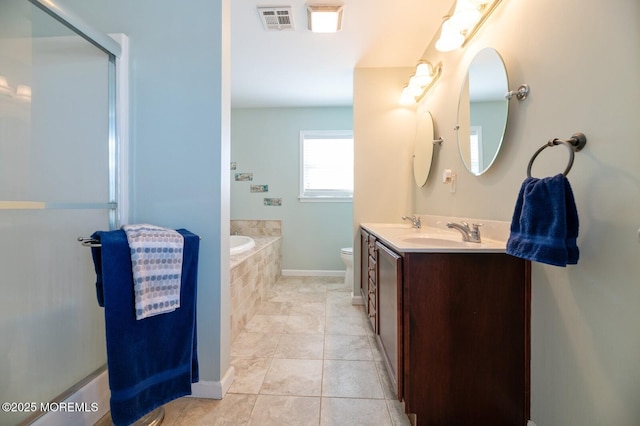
[[431, 239]]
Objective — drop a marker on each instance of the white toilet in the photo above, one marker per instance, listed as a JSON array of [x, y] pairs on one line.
[[346, 254]]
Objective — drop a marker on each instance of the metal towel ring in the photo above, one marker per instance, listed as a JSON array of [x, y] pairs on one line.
[[575, 144]]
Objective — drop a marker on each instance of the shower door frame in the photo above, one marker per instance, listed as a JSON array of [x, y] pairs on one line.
[[117, 127], [116, 49]]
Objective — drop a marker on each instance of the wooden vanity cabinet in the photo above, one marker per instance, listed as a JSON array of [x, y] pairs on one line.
[[462, 342], [466, 341]]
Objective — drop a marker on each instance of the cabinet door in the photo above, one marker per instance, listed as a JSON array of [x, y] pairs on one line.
[[466, 338], [390, 311]]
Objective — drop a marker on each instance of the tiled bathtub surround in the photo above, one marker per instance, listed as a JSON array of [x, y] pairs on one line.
[[257, 228], [253, 272]]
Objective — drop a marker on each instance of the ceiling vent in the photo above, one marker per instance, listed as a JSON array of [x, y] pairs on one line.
[[276, 18]]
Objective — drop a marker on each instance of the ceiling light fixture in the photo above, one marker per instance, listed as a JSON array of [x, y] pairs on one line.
[[459, 28], [324, 18], [420, 83]]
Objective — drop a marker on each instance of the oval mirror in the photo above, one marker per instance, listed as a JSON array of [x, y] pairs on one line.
[[423, 148], [482, 111]]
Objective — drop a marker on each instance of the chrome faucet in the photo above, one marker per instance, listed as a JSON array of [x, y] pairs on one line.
[[415, 221], [471, 235]]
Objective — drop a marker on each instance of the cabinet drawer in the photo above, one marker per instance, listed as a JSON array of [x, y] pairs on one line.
[[372, 269], [372, 246], [373, 316], [372, 293]]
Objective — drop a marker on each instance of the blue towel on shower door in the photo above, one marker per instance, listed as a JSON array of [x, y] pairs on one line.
[[154, 360], [544, 227]]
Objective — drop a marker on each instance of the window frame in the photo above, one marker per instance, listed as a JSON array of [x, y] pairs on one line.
[[329, 197]]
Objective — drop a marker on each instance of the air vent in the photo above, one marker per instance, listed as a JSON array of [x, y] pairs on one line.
[[276, 18]]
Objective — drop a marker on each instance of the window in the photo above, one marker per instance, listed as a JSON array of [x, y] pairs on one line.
[[476, 149], [326, 165]]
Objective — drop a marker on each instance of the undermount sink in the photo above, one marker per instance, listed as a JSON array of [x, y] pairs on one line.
[[436, 242]]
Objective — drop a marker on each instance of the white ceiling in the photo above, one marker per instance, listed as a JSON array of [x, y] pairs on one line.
[[300, 68]]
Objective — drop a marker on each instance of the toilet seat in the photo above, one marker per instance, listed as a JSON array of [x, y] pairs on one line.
[[346, 250]]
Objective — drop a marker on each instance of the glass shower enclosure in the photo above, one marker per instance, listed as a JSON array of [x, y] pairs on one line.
[[58, 173]]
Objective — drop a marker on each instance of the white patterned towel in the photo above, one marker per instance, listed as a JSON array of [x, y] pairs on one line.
[[156, 262]]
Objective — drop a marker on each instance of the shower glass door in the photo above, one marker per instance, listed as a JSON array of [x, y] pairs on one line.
[[56, 184]]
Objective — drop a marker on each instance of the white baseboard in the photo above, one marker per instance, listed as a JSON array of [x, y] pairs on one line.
[[213, 390], [91, 401], [356, 300], [311, 273]]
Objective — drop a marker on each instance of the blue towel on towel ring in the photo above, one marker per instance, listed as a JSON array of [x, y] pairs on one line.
[[154, 361], [545, 224]]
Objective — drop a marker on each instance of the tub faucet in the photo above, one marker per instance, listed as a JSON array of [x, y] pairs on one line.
[[415, 221], [471, 235]]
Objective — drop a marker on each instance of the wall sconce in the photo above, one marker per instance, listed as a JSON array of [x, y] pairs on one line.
[[324, 18], [460, 27], [420, 82]]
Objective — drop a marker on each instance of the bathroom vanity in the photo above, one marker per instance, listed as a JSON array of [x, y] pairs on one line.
[[453, 322]]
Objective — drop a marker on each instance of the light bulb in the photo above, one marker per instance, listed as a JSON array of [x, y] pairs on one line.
[[408, 95], [420, 80], [466, 15], [414, 91], [423, 75], [450, 38]]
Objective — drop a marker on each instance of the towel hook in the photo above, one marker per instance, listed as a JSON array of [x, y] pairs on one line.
[[575, 144]]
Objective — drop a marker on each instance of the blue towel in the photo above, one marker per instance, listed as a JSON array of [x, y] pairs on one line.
[[544, 227], [154, 361]]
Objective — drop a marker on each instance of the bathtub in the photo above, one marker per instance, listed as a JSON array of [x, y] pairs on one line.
[[241, 243]]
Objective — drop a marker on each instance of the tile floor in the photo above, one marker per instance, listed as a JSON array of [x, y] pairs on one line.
[[307, 357]]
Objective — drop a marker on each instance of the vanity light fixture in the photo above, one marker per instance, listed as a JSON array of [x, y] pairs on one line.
[[460, 27], [324, 18], [420, 83]]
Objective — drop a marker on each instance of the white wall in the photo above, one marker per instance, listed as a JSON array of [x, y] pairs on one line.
[[581, 59], [266, 142]]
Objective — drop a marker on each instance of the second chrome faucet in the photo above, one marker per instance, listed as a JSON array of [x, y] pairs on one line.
[[468, 234], [415, 221]]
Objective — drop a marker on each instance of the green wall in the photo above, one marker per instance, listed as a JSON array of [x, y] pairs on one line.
[[265, 142]]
